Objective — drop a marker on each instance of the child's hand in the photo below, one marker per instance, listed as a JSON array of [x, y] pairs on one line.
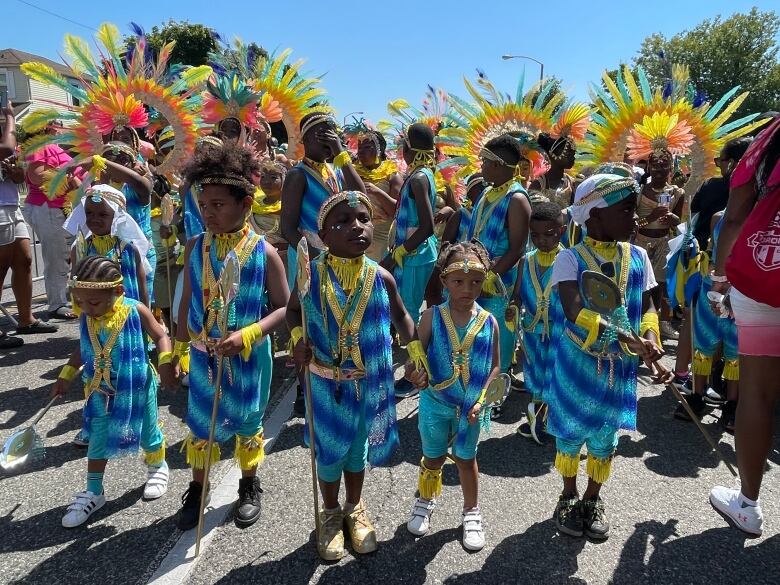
[[661, 375], [230, 345], [417, 377], [302, 354], [474, 413], [60, 388], [388, 263], [168, 376]]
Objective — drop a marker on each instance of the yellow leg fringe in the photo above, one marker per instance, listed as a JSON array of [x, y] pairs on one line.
[[598, 469], [731, 371], [567, 465], [702, 364], [429, 482], [196, 452], [250, 451], [155, 457]]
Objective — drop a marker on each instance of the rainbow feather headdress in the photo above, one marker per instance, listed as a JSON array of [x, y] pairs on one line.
[[540, 109], [281, 82], [357, 131], [116, 92], [229, 96], [629, 113]]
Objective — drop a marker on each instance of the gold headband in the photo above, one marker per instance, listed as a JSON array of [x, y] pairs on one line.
[[222, 180], [119, 147], [488, 154], [465, 265], [76, 283], [473, 182], [314, 120], [213, 140], [351, 197], [93, 194]]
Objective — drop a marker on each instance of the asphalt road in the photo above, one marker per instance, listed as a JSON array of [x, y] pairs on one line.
[[663, 528]]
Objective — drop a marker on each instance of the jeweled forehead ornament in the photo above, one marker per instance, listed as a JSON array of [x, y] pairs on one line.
[[466, 265], [353, 199]]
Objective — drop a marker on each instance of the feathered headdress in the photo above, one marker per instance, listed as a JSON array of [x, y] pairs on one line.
[[357, 131], [114, 91], [228, 96], [623, 103], [660, 132]]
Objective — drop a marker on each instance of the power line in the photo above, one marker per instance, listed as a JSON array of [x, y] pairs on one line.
[[49, 12]]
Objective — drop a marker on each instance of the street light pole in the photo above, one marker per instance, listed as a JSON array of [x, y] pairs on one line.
[[541, 65]]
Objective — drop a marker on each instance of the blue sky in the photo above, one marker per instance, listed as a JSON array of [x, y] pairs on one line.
[[373, 52]]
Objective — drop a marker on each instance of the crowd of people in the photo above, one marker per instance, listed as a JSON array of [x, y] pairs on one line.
[[485, 237]]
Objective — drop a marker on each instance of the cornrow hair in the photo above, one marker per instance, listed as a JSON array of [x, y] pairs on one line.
[[474, 247], [545, 211], [231, 161], [97, 269]]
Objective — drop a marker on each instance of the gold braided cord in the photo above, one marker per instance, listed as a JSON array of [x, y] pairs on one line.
[[461, 351], [75, 283]]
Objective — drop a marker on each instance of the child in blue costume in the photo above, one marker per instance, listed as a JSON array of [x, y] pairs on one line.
[[349, 308], [536, 296], [111, 232], [500, 222], [591, 390], [457, 228], [462, 361], [120, 385], [710, 332], [236, 333]]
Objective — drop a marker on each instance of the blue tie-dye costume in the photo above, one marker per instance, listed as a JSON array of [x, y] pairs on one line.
[[245, 384], [341, 408], [193, 220], [493, 233], [124, 253], [142, 214], [418, 265]]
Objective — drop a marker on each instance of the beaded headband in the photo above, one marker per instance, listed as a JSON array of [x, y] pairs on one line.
[[222, 180], [474, 181], [213, 140], [488, 154], [76, 283], [116, 147], [353, 198], [98, 195], [465, 265], [314, 121]]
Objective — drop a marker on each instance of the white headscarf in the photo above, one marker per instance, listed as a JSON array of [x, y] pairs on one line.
[[123, 225], [601, 190]]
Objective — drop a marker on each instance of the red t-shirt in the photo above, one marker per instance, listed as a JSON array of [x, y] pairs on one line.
[[53, 157]]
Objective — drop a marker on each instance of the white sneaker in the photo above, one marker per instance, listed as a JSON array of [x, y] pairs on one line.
[[156, 482], [84, 504], [473, 533], [667, 331], [420, 519], [748, 518]]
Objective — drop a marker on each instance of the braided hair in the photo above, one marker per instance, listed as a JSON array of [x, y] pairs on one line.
[[228, 161], [97, 269], [473, 247]]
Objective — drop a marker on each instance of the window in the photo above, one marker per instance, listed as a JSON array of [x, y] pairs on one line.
[[74, 101], [7, 82]]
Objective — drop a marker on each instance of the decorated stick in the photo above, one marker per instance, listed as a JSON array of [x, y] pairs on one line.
[[229, 279], [303, 280], [167, 213]]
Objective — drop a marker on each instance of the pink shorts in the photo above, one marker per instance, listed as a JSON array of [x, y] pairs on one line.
[[758, 326]]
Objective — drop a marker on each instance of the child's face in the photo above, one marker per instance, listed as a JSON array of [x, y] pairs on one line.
[[618, 221], [366, 152], [222, 212], [96, 302], [546, 234], [99, 215], [475, 191], [494, 172], [464, 287], [271, 181], [348, 231]]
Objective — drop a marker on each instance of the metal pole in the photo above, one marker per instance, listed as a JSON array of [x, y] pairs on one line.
[[541, 65]]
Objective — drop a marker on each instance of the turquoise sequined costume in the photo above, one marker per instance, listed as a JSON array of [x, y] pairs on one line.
[[362, 343], [245, 384], [489, 226], [120, 410], [418, 264], [124, 254], [457, 379], [142, 214], [537, 322], [193, 221]]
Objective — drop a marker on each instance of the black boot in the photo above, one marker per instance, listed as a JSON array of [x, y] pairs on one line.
[[729, 416], [190, 507], [697, 404], [248, 505], [299, 407]]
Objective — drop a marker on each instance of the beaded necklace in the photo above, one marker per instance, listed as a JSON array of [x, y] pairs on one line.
[[322, 173], [491, 199], [112, 321]]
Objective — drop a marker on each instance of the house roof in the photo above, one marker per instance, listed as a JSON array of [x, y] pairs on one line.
[[15, 57]]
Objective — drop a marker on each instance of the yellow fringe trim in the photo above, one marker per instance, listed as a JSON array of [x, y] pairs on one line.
[[567, 465], [429, 482], [702, 364], [598, 469], [103, 244], [731, 371], [347, 270], [155, 457], [250, 451], [196, 452]]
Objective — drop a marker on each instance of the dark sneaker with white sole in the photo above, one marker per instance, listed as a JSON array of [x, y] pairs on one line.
[[568, 515], [594, 517]]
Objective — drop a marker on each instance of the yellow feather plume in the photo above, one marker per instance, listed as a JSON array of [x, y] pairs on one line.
[[37, 121], [396, 107], [108, 35]]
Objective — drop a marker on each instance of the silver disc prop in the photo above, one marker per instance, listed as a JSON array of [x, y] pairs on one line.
[[24, 444], [497, 392], [602, 295]]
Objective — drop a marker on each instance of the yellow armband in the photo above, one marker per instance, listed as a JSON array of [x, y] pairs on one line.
[[590, 321], [490, 285], [249, 335], [650, 323], [417, 355], [98, 166], [164, 357], [296, 334], [398, 255], [481, 399], [68, 372], [342, 159], [181, 349]]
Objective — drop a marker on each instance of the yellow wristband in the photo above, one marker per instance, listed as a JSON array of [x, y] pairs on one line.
[[650, 323], [249, 335], [342, 159], [490, 285], [417, 355], [590, 321], [181, 349], [398, 255], [296, 334], [164, 357], [481, 399], [68, 372]]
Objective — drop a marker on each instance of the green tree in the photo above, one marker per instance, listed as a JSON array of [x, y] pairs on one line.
[[741, 50], [194, 42]]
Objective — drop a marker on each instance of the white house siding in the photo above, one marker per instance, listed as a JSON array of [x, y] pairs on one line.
[[47, 96]]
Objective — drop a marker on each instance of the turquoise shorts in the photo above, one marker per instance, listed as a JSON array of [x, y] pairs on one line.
[[437, 423], [601, 444], [356, 458]]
